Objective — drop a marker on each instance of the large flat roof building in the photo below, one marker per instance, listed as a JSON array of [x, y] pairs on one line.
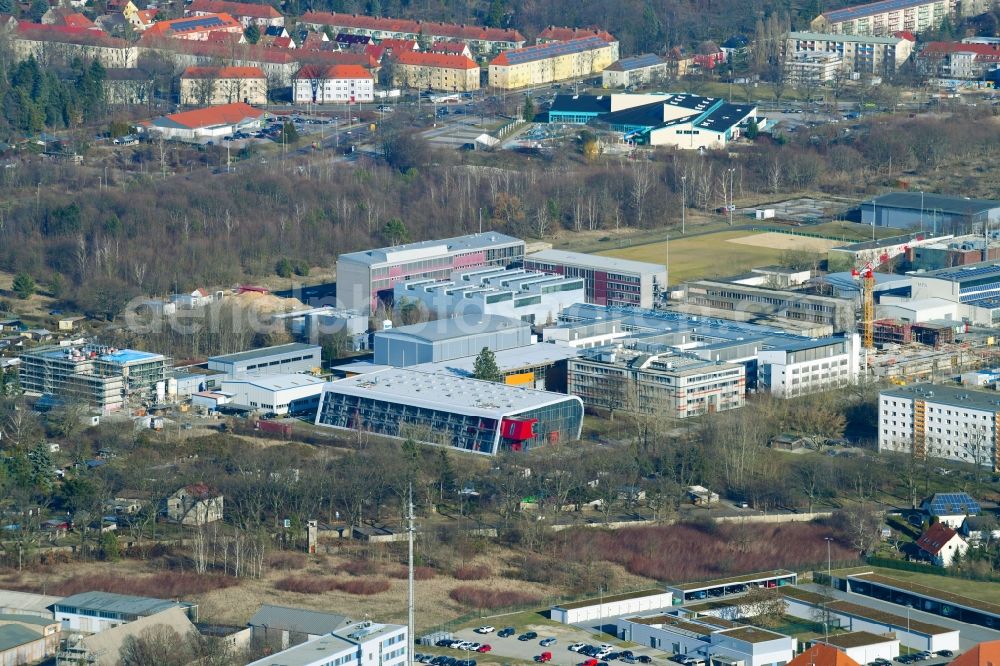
[[277, 360], [466, 414], [936, 421], [364, 278], [933, 213], [276, 394], [608, 280], [444, 339], [93, 612]]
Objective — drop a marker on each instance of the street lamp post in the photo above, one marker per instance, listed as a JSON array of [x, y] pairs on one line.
[[829, 571], [684, 180], [732, 172]]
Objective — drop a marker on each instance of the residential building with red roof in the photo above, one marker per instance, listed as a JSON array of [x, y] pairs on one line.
[[247, 13], [208, 123], [451, 48], [547, 63], [941, 545], [336, 84], [958, 60], [435, 71], [68, 18], [479, 39], [196, 28], [201, 86], [984, 654], [53, 43], [143, 19], [387, 47]]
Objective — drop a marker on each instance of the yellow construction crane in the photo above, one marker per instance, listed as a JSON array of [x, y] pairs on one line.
[[866, 275]]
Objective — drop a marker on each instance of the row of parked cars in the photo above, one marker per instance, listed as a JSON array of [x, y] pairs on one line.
[[469, 646], [606, 653], [915, 657], [442, 660]]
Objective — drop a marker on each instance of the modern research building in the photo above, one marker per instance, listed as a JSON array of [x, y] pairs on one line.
[[467, 414], [364, 278], [607, 280], [277, 360], [446, 339]]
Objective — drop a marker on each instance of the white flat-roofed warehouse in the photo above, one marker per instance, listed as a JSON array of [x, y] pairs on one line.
[[280, 359], [444, 339], [611, 605], [364, 278], [609, 281], [466, 414], [355, 644], [276, 394]]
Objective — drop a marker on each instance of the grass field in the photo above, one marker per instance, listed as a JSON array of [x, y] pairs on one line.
[[703, 256], [973, 589]]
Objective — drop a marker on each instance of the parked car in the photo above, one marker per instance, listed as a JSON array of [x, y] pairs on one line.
[[944, 653], [528, 636], [506, 631], [589, 662], [544, 658], [643, 659], [484, 648], [546, 642], [630, 660], [575, 647], [486, 630], [472, 647]]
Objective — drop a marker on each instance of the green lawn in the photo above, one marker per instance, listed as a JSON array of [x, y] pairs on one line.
[[973, 589], [702, 256]]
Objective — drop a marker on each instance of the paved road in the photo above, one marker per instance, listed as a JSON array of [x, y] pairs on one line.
[[971, 634]]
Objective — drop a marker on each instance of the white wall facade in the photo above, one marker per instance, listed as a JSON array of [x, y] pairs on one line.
[[953, 432], [610, 609], [865, 654], [334, 91], [788, 378], [260, 396]]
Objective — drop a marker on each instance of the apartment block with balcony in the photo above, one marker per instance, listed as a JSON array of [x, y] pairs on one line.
[[875, 55], [885, 18]]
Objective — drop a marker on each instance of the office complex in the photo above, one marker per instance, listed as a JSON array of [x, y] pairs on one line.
[[784, 364], [367, 277], [885, 17], [608, 281], [351, 644], [650, 379], [101, 376], [933, 421], [925, 211], [466, 414]]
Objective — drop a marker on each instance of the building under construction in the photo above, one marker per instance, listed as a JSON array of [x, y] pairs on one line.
[[104, 377]]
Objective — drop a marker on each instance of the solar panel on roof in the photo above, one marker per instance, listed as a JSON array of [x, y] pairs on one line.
[[197, 23], [954, 503], [554, 49], [645, 60]]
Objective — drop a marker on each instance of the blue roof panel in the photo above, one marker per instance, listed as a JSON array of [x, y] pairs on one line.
[[862, 11]]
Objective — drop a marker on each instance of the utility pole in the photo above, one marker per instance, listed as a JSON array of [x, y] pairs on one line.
[[409, 581], [480, 219], [732, 172]]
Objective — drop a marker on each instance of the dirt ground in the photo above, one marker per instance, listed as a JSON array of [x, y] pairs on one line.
[[780, 241], [235, 605]]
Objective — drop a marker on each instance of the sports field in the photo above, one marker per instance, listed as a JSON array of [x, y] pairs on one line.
[[720, 254]]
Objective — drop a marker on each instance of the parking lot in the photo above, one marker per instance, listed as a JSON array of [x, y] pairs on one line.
[[565, 635]]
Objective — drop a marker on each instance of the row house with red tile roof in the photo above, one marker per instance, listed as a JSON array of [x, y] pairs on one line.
[[336, 84], [52, 44], [210, 86], [958, 60], [435, 71], [67, 17], [480, 39], [279, 65], [197, 28], [247, 13], [204, 124]]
